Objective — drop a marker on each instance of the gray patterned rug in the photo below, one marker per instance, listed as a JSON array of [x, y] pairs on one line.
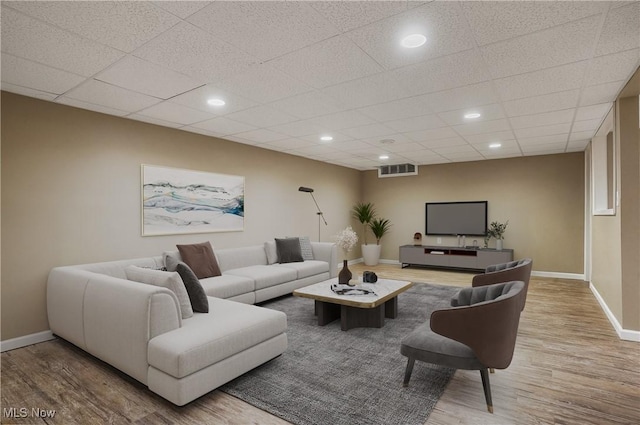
[[328, 376]]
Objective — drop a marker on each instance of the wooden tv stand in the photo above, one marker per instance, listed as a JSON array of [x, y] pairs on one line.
[[450, 257]]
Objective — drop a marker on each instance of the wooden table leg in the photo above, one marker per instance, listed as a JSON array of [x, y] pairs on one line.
[[326, 312], [353, 317], [391, 308]]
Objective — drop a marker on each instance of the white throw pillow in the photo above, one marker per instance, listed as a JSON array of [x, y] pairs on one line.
[[170, 280], [305, 248], [272, 252]]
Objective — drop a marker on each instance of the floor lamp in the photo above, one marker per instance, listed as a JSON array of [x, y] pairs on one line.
[[319, 213]]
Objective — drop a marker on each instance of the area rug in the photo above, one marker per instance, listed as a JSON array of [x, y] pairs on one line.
[[328, 376]]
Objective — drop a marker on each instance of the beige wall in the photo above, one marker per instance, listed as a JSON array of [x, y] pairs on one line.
[[71, 195], [541, 196]]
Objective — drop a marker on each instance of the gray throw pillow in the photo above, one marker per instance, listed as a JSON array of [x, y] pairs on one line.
[[289, 250], [305, 248], [197, 296]]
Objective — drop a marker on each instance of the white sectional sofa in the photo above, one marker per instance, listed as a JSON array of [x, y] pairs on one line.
[[138, 328]]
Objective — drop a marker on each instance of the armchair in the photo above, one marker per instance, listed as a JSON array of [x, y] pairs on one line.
[[478, 334], [506, 272]]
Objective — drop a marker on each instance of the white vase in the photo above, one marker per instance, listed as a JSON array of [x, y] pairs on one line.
[[498, 244], [371, 254]]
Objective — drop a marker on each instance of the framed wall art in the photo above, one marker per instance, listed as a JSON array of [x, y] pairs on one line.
[[178, 201]]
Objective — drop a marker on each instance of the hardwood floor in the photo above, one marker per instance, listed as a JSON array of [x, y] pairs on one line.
[[569, 367]]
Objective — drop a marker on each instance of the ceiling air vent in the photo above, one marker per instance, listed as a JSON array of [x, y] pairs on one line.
[[397, 170]]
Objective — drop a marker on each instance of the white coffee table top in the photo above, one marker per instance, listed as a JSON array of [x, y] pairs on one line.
[[385, 289]]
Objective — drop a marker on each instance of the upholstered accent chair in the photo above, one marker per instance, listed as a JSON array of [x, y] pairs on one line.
[[506, 272], [478, 333]]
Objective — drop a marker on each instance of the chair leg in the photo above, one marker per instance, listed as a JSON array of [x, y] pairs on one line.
[[407, 372], [487, 389]]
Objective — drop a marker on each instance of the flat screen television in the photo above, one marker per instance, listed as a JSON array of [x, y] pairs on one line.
[[456, 218]]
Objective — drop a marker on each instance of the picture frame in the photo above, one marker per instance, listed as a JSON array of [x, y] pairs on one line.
[[180, 201]]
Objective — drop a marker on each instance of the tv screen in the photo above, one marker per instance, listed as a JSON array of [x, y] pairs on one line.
[[456, 218]]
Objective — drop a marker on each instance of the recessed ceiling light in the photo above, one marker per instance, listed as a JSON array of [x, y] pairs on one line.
[[216, 102], [326, 138], [383, 157], [495, 145], [414, 40], [472, 115]]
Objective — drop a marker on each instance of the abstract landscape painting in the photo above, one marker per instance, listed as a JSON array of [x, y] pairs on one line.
[[176, 201]]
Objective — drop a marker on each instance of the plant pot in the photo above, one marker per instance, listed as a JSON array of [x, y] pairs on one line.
[[498, 244], [345, 275], [371, 254]]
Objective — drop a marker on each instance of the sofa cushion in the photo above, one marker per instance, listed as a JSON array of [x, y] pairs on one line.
[[305, 248], [289, 250], [306, 268], [227, 285], [198, 298], [199, 257], [170, 280], [206, 339], [265, 276], [235, 258]]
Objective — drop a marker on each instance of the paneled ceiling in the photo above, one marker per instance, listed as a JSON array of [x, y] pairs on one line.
[[541, 74]]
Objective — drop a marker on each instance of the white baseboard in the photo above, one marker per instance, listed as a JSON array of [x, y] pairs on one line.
[[23, 341], [559, 275], [624, 334]]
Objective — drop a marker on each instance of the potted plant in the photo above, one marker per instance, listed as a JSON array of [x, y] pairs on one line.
[[379, 227], [364, 213], [496, 230]]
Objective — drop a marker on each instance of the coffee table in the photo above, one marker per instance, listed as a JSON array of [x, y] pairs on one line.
[[355, 311]]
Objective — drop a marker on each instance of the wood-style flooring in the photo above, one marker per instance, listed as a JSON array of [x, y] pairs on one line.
[[569, 367]]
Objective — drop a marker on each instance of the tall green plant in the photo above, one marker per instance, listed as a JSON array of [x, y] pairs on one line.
[[379, 227], [364, 213]]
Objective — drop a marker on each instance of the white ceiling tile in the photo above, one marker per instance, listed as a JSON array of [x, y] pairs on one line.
[[264, 29], [620, 31], [593, 112], [496, 21], [442, 23], [27, 91], [197, 99], [538, 104], [506, 147], [99, 93], [547, 130], [353, 14], [443, 73], [614, 67], [455, 149], [262, 116], [587, 125], [182, 8], [367, 91], [29, 38], [424, 122], [338, 138], [571, 42], [124, 25], [90, 106], [548, 149], [292, 143], [145, 77], [497, 154], [340, 120], [403, 147], [261, 135], [443, 143], [176, 113], [315, 150], [499, 136], [194, 52], [578, 145], [308, 105], [580, 135], [601, 93], [482, 127], [23, 72], [241, 140], [435, 134], [397, 109], [353, 145], [156, 121], [488, 113], [547, 118], [368, 131], [300, 128], [327, 63], [562, 78], [543, 140], [461, 97], [463, 156], [263, 83]]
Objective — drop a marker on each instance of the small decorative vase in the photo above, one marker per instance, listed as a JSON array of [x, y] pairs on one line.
[[345, 274], [498, 244]]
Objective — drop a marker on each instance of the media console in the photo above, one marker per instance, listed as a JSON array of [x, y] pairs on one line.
[[452, 257]]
